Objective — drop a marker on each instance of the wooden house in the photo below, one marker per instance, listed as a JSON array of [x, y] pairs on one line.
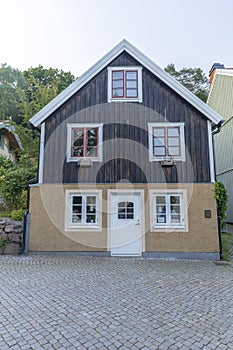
[[221, 100], [126, 165]]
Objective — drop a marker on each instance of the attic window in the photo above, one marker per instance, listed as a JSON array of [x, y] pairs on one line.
[[124, 84]]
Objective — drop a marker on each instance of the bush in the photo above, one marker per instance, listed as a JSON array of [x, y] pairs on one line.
[[221, 198], [17, 214]]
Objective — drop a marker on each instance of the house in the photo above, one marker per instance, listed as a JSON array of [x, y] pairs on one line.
[[221, 100], [9, 141], [126, 165]]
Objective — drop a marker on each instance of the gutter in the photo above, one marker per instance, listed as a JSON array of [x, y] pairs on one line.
[[215, 130], [26, 220]]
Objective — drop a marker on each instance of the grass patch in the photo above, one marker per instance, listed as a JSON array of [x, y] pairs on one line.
[[227, 245]]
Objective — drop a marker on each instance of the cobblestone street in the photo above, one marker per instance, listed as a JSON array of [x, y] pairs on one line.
[[71, 302]]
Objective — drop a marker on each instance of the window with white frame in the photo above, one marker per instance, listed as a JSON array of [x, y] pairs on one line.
[[84, 141], [83, 209], [125, 84], [166, 141], [169, 210]]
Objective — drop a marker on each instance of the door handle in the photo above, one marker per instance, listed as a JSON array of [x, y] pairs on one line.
[[137, 224]]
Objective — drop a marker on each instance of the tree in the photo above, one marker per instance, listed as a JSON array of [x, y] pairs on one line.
[[12, 83], [42, 85], [194, 79], [13, 181]]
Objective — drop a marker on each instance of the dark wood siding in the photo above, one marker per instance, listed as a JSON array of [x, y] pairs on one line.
[[125, 134]]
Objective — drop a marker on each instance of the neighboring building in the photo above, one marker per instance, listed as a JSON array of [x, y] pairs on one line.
[[221, 100], [9, 141], [126, 165]]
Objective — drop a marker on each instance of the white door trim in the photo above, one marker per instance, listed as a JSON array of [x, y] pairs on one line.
[[142, 214]]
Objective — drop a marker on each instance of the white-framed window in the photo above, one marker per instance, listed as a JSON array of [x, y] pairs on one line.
[[83, 209], [2, 141], [84, 141], [166, 141], [169, 210], [124, 84]]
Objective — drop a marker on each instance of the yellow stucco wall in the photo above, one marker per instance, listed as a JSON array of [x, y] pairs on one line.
[[47, 229]]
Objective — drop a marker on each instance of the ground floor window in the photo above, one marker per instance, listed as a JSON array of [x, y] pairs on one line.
[[83, 209], [169, 209]]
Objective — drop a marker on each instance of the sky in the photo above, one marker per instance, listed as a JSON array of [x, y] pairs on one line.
[[74, 34]]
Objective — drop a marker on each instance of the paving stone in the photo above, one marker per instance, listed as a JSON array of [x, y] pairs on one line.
[[70, 302]]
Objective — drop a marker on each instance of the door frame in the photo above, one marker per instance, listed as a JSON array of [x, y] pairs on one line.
[[140, 194]]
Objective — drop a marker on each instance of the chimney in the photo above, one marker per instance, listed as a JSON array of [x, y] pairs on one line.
[[213, 70]]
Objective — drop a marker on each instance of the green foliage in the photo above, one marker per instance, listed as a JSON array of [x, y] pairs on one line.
[[221, 198], [13, 181], [17, 214], [227, 245], [194, 79], [12, 83]]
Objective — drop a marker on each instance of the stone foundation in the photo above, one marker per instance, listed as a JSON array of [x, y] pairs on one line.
[[11, 233]]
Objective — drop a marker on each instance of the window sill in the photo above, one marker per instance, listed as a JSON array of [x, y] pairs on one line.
[[169, 229], [121, 99]]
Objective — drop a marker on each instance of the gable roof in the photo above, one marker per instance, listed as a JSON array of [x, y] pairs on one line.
[[221, 93], [124, 45]]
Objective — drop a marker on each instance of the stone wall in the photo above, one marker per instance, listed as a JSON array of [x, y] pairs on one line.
[[11, 233]]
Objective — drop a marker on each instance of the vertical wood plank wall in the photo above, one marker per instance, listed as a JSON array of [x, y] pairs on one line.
[[125, 134]]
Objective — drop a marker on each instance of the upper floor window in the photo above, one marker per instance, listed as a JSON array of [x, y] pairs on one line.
[[166, 141], [124, 84], [84, 141]]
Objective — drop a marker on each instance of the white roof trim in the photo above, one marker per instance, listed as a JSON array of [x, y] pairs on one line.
[[38, 118]]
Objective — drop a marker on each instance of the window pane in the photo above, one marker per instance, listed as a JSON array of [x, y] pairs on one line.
[[159, 141], [117, 84], [78, 142], [117, 75], [173, 142], [175, 219], [161, 219], [122, 204], [92, 133], [77, 133], [131, 75], [131, 93], [76, 218], [131, 84], [91, 219], [77, 152], [160, 200], [159, 132], [129, 216], [92, 142], [174, 151], [117, 93], [91, 152], [175, 199], [173, 132], [159, 151], [77, 199]]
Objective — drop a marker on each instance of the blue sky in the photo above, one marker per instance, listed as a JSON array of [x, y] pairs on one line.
[[73, 34]]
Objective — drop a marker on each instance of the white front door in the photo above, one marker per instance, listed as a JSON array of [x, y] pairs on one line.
[[126, 228]]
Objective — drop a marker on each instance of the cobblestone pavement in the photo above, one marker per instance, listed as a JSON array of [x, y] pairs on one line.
[[70, 302]]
